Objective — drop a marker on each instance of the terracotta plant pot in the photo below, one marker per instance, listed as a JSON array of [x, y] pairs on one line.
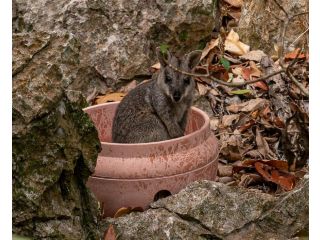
[[133, 175]]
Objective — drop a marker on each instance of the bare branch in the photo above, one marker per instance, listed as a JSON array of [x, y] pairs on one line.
[[207, 76], [280, 6]]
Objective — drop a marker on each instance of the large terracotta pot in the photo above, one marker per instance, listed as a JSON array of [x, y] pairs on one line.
[[133, 175]]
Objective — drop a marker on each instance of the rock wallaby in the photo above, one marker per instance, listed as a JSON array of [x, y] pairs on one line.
[[157, 110]]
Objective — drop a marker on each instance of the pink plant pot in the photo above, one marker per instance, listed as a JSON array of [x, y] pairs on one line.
[[131, 175]]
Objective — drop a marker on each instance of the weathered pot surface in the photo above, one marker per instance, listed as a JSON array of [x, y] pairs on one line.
[[132, 174]]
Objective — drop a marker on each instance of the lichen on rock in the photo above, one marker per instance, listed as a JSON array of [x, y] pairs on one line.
[[55, 145]]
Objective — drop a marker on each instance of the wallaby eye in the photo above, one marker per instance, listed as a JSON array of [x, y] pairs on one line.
[[186, 81], [168, 80]]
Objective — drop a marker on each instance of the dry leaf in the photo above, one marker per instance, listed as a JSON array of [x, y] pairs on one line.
[[246, 126], [247, 106], [238, 79], [229, 120], [225, 180], [112, 97], [235, 3], [282, 178], [255, 72], [111, 234], [127, 88], [292, 55], [233, 45], [225, 170], [214, 123], [263, 146], [249, 179], [237, 70], [255, 55], [122, 211], [156, 66], [211, 45], [202, 89], [262, 85]]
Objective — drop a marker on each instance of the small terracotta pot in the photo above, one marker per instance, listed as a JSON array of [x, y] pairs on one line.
[[133, 175]]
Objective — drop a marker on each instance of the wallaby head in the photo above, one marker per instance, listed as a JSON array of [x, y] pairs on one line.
[[174, 84]]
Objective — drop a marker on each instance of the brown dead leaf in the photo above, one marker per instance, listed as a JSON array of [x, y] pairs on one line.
[[255, 72], [262, 85], [237, 70], [238, 79], [266, 113], [112, 97], [224, 170], [156, 66], [278, 122], [292, 55], [110, 233], [225, 180], [255, 55], [263, 146], [282, 178], [202, 89], [229, 120], [122, 211], [246, 126], [127, 88], [247, 106], [211, 45], [235, 3], [279, 164], [233, 45], [248, 179]]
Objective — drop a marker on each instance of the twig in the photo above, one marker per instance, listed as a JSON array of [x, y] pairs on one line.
[[283, 10], [291, 44], [281, 49], [297, 83], [207, 76]]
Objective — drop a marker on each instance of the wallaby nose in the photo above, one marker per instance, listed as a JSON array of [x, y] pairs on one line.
[[176, 96]]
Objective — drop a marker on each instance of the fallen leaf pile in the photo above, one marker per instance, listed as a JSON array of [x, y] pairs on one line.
[[265, 122]]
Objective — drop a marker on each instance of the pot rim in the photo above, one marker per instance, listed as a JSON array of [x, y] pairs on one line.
[[192, 135]]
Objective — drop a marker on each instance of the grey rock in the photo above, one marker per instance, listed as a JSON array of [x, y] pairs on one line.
[[260, 28], [212, 210], [118, 38], [157, 224], [236, 213], [55, 145]]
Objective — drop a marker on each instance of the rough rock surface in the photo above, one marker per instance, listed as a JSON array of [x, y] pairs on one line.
[[260, 28], [55, 145], [211, 210], [118, 38]]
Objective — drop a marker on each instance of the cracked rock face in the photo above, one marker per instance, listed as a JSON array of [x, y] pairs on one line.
[[260, 28], [212, 210], [118, 38], [54, 143]]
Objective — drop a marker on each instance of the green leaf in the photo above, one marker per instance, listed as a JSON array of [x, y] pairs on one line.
[[240, 92], [225, 63], [164, 48]]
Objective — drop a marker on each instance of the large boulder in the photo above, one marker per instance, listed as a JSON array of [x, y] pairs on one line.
[[119, 37], [260, 24], [55, 145], [212, 210]]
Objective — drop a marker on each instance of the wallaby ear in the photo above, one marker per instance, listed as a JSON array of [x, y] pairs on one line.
[[193, 58], [163, 58]]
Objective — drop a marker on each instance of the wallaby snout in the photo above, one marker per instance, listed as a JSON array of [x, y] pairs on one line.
[[176, 95]]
